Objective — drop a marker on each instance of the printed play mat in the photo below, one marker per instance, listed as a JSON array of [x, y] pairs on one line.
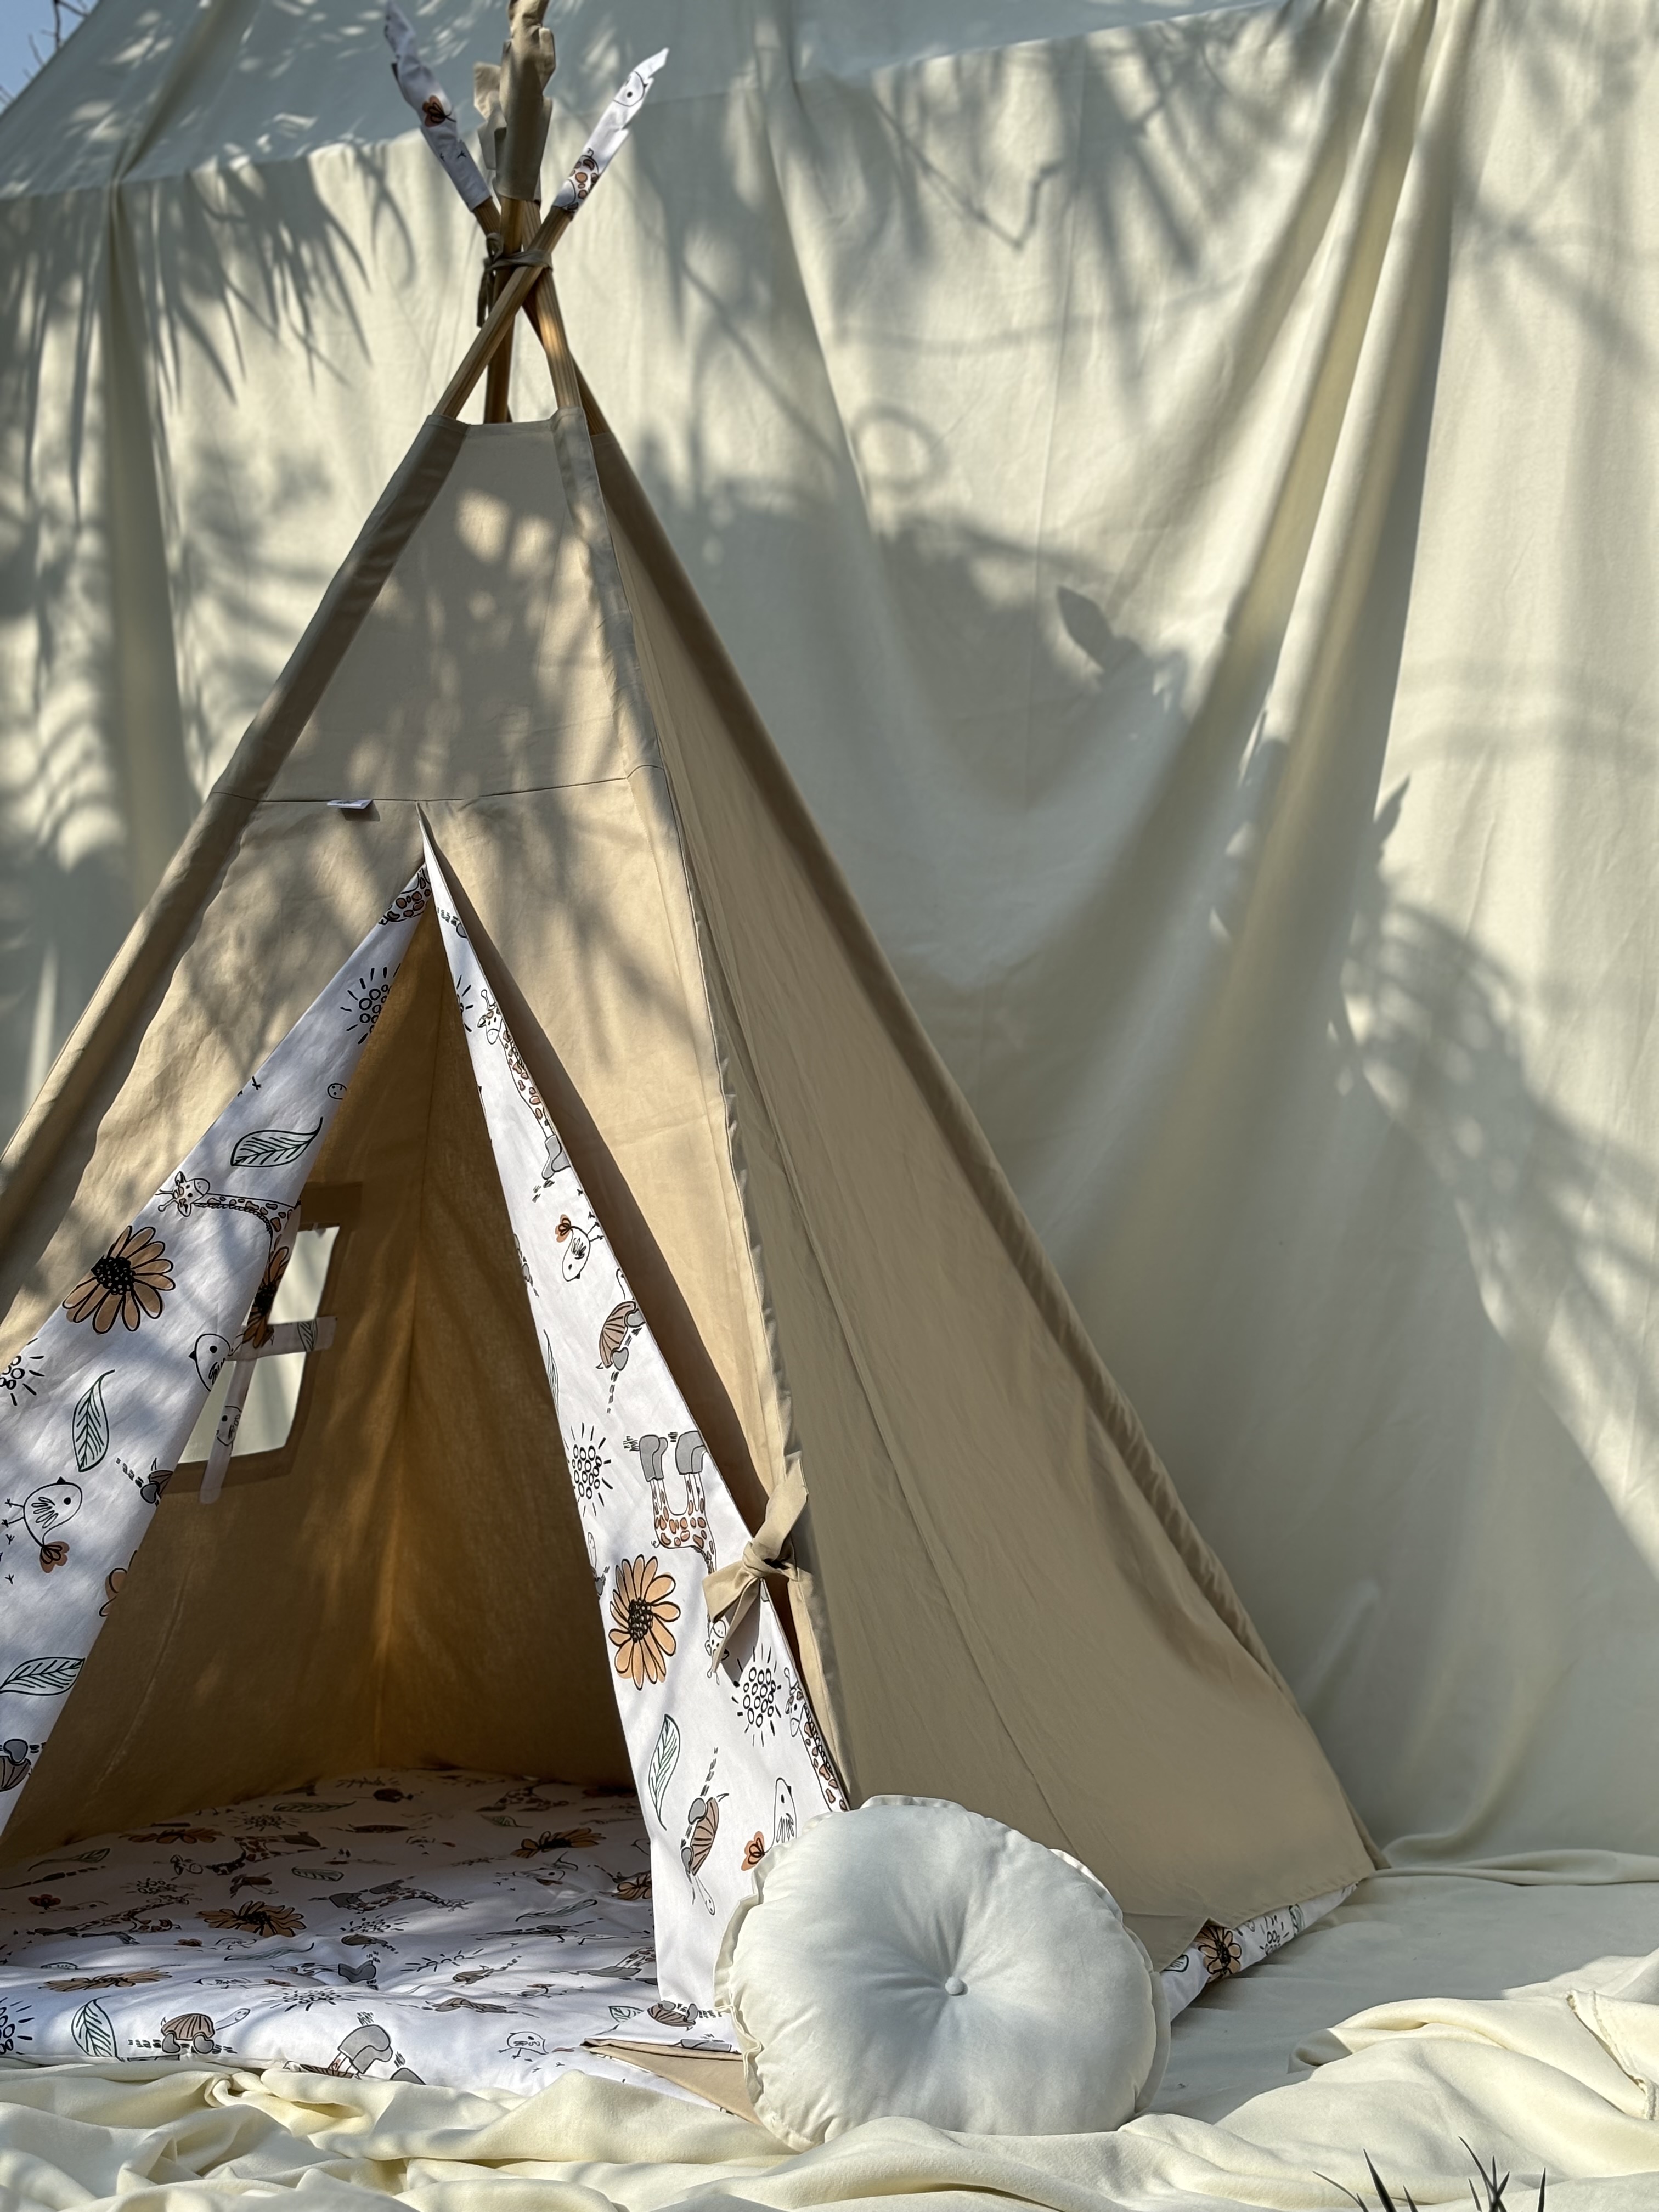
[[458, 1928]]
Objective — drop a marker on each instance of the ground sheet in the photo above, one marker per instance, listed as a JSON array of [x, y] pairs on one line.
[[449, 1927]]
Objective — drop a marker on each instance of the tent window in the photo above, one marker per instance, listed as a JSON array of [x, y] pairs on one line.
[[274, 1393]]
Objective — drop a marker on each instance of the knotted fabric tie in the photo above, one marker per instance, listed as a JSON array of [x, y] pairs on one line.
[[733, 1590], [497, 263]]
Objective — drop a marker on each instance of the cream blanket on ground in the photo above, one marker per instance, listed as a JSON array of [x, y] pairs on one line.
[[1557, 2076]]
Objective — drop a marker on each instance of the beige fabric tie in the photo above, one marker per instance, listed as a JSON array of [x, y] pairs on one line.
[[732, 1590]]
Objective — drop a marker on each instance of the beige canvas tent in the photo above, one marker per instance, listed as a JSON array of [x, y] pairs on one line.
[[995, 1596]]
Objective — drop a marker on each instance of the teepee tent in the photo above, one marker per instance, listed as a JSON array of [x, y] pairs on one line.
[[1138, 457], [656, 1222]]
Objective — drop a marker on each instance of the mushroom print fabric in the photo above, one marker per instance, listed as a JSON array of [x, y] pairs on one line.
[[106, 1393], [726, 1751]]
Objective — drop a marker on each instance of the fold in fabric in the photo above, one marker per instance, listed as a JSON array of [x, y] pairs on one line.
[[1562, 2079]]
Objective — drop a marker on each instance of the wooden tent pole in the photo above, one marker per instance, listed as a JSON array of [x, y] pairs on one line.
[[509, 300], [519, 111], [543, 310], [591, 407]]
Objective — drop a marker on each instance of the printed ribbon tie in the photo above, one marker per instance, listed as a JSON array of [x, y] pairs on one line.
[[733, 1590]]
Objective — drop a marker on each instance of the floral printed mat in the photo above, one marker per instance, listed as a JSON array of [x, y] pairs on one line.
[[464, 1930]]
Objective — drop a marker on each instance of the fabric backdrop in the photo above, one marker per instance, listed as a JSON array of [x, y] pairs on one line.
[[1180, 485]]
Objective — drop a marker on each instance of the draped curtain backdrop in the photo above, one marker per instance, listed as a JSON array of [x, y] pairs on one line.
[[1181, 485]]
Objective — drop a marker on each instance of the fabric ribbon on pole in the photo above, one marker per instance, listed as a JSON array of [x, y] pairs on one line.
[[424, 93], [511, 97], [608, 133], [734, 1590]]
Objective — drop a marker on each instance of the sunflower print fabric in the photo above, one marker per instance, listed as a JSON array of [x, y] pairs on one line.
[[258, 1328], [469, 1929], [641, 1607], [129, 1280], [96, 1408], [726, 1752]]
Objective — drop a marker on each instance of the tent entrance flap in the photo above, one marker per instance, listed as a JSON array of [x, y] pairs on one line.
[[484, 1279], [417, 1590], [726, 1751]]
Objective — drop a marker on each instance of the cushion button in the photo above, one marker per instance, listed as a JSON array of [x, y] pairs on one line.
[[956, 1987]]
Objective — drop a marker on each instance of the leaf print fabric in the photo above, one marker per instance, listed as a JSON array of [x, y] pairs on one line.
[[91, 2032], [273, 1148], [664, 1756], [658, 1518], [470, 1930], [89, 1425], [100, 1405], [43, 1678]]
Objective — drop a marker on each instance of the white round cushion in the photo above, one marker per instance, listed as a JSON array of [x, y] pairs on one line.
[[916, 1960]]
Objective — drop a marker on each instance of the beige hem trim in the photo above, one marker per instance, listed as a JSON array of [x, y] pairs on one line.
[[714, 2075]]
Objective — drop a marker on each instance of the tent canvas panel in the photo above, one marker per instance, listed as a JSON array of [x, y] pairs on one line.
[[919, 1743], [481, 668], [1112, 1655], [683, 632]]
